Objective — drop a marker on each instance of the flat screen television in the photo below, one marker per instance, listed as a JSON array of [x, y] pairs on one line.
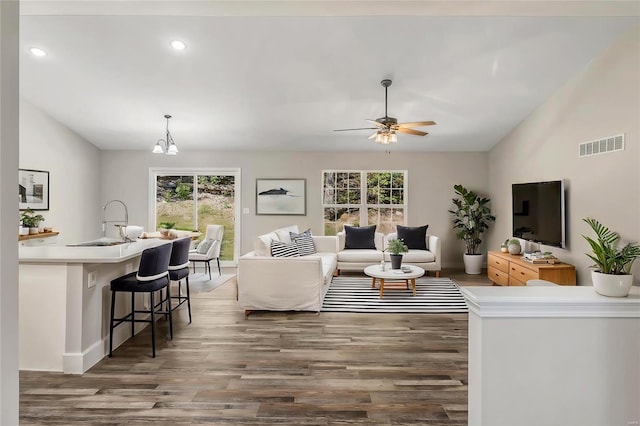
[[539, 212]]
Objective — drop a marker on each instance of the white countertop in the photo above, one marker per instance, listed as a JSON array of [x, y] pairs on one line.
[[552, 301], [66, 254]]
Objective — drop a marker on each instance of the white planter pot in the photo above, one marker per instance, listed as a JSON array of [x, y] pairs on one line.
[[612, 285], [33, 230], [23, 230], [473, 264]]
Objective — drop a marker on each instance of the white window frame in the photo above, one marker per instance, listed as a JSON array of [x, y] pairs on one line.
[[154, 172], [363, 206]]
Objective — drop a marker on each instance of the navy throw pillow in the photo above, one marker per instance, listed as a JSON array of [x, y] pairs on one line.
[[360, 238], [413, 237]]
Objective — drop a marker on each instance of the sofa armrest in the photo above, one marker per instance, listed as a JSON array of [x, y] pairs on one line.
[[434, 246], [325, 243]]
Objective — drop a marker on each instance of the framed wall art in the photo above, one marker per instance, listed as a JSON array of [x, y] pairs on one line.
[[33, 189], [281, 196]]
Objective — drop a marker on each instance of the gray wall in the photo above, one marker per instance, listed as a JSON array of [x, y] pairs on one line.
[[603, 100], [74, 173], [431, 179]]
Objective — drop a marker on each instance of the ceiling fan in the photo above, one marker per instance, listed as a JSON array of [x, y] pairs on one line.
[[388, 126]]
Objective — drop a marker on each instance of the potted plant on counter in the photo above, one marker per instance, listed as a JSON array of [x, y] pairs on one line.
[[31, 220], [397, 247], [612, 276], [472, 217]]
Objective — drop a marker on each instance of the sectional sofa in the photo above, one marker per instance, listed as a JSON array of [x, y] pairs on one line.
[[297, 283]]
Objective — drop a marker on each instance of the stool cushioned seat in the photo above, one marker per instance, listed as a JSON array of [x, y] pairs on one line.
[[130, 282]]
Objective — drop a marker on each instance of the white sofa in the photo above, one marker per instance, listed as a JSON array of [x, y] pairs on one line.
[[358, 259], [285, 283]]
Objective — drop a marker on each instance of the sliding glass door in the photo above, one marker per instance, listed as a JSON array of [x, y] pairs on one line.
[[191, 199]]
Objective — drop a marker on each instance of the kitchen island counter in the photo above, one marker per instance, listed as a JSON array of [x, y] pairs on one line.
[[64, 299]]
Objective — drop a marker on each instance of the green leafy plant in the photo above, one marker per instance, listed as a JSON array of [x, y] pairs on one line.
[[29, 219], [472, 217], [608, 258], [397, 246], [166, 225]]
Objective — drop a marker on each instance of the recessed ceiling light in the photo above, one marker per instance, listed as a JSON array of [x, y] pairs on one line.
[[178, 45], [37, 51]]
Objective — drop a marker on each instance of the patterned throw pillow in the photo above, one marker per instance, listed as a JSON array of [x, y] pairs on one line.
[[280, 249], [304, 241], [204, 246]]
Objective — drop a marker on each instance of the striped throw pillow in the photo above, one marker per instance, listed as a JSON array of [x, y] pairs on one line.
[[280, 249], [304, 241]]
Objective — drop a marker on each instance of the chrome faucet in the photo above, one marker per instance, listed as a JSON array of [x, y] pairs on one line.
[[105, 221]]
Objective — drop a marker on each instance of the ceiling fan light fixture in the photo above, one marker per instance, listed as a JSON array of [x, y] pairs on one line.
[[167, 145]]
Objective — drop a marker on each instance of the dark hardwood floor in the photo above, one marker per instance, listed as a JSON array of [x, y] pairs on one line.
[[274, 368]]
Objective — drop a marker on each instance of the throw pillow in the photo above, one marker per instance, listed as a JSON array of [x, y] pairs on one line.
[[360, 238], [304, 241], [204, 246], [280, 249], [413, 237]]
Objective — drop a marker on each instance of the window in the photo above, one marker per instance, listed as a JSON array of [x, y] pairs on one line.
[[192, 199], [363, 197]]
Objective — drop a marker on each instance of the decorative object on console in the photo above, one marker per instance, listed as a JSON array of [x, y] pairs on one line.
[[281, 197], [514, 246], [359, 237], [167, 145], [31, 221], [613, 276], [33, 189], [397, 247], [472, 217], [505, 246]]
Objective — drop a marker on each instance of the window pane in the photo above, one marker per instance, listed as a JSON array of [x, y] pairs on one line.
[[397, 196], [216, 206], [174, 202], [397, 180], [385, 196], [384, 180], [354, 196], [342, 180], [336, 218], [329, 188], [354, 180], [342, 196]]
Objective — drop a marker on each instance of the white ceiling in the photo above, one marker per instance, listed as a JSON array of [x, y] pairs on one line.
[[285, 82]]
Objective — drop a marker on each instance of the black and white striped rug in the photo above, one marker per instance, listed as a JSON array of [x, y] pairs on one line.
[[354, 294]]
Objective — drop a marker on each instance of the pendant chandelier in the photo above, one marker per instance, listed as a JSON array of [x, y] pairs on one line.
[[167, 145]]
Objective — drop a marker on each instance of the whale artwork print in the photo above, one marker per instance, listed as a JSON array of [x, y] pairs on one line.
[[281, 196]]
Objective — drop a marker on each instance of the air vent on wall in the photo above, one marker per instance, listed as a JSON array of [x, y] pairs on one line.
[[601, 146]]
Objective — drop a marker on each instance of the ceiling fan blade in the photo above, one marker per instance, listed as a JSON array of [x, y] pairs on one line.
[[359, 128], [377, 123], [412, 132], [417, 124]]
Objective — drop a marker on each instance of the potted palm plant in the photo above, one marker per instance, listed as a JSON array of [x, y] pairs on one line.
[[611, 275], [396, 248], [471, 218]]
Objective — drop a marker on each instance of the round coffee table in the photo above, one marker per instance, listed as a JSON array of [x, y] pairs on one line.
[[394, 276]]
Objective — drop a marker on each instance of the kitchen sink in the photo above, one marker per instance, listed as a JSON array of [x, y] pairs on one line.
[[101, 242]]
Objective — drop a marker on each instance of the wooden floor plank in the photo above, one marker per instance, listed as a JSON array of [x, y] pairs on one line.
[[273, 368]]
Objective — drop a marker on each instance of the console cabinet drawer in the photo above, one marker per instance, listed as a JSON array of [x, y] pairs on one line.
[[497, 263], [497, 276], [521, 273]]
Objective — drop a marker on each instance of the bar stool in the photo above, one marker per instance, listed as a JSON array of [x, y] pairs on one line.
[[179, 269], [152, 275]]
